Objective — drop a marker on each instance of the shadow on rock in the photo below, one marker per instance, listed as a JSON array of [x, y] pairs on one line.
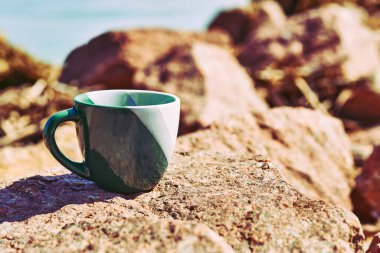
[[45, 194]]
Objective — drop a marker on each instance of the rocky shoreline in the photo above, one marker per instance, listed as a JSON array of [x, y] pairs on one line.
[[279, 137]]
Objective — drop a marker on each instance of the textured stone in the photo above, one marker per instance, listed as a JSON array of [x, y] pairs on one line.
[[135, 234], [367, 192], [311, 149], [243, 198], [123, 53], [209, 81]]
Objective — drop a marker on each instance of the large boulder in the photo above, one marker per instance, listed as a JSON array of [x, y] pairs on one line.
[[366, 196], [243, 198], [18, 67], [197, 67], [112, 58], [310, 148], [207, 78]]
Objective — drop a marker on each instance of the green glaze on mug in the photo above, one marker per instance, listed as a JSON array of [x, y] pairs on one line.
[[127, 137]]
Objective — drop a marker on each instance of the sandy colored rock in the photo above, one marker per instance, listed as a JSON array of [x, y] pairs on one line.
[[367, 187], [311, 149], [193, 72], [17, 67], [124, 52], [21, 161], [366, 136], [363, 142], [176, 62], [243, 198], [133, 234], [375, 245]]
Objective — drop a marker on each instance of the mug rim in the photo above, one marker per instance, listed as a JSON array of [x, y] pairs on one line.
[[176, 99]]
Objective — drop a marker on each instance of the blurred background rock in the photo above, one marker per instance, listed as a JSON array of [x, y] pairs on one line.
[[243, 60]]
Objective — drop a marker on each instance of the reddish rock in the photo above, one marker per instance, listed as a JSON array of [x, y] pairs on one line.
[[361, 105], [322, 42], [314, 45], [113, 58], [239, 23], [375, 244], [311, 149], [244, 199], [367, 187], [235, 22], [209, 81], [292, 7]]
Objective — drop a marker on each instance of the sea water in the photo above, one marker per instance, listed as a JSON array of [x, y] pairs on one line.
[[49, 30]]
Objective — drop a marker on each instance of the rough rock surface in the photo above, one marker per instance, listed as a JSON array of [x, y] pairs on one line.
[[117, 234], [124, 52], [17, 67], [311, 149], [375, 245], [208, 80], [367, 192], [242, 198]]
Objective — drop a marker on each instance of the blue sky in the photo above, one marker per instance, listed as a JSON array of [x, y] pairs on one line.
[[49, 30]]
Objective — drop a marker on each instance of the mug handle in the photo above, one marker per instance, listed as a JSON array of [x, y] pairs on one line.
[[49, 130]]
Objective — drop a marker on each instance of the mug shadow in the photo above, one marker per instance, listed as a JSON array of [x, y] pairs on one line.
[[36, 195]]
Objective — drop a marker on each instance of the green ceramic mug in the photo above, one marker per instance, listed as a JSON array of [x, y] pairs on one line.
[[127, 137]]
